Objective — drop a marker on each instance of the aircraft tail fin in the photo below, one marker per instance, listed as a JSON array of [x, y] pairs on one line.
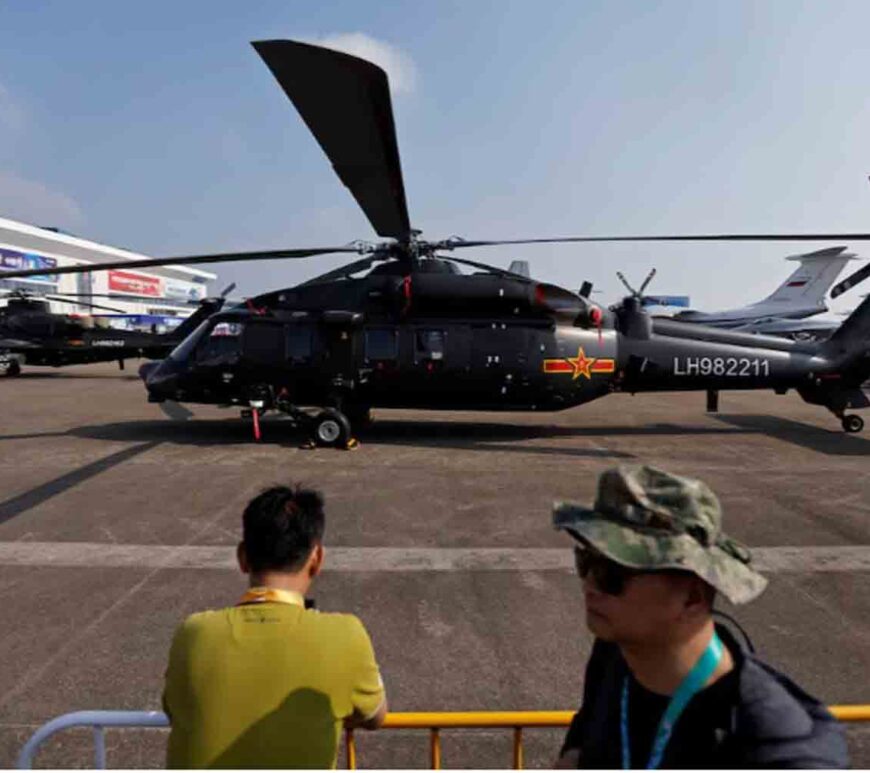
[[809, 283]]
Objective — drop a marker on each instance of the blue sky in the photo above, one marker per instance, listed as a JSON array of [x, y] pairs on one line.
[[154, 126]]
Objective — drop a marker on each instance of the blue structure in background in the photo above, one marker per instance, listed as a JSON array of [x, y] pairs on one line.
[[681, 301]]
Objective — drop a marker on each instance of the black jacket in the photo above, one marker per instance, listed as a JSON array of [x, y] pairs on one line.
[[758, 719]]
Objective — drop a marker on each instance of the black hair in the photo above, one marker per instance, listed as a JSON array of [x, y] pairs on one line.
[[280, 527]]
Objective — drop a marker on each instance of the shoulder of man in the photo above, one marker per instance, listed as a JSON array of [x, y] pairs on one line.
[[196, 621], [210, 616], [345, 630], [339, 620], [344, 627], [776, 723]]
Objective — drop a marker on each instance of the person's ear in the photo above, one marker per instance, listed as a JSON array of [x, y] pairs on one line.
[[242, 558], [315, 563], [697, 600]]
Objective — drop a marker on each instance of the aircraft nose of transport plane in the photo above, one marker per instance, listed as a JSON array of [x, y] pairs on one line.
[[159, 379]]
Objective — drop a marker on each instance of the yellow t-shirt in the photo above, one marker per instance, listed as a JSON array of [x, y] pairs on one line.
[[267, 685]]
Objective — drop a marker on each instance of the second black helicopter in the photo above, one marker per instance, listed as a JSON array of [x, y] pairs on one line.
[[32, 334]]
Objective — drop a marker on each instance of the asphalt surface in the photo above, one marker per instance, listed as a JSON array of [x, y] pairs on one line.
[[84, 459]]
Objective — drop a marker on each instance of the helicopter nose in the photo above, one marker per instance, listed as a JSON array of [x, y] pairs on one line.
[[147, 368], [160, 380]]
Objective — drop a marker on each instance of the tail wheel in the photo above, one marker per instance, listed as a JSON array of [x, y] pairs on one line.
[[331, 428], [853, 423]]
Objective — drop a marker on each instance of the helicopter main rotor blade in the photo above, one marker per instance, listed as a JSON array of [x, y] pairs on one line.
[[83, 304], [343, 271], [345, 102], [850, 281], [137, 298], [817, 237], [175, 411], [189, 260]]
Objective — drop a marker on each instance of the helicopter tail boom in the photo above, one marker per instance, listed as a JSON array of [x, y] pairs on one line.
[[853, 336]]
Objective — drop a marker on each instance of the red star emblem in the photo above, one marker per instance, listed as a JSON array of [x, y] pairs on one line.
[[582, 364]]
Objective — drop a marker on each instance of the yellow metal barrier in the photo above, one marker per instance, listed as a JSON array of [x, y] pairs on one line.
[[436, 721]]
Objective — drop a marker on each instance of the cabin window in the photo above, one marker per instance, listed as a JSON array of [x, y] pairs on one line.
[[222, 343], [298, 342], [264, 343], [429, 344], [183, 350], [382, 344]]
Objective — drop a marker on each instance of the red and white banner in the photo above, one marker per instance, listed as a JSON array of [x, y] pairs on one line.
[[135, 284]]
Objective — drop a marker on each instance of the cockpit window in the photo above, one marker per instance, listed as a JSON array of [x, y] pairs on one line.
[[182, 352], [222, 342]]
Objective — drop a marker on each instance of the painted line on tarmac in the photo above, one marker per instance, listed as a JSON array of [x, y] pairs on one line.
[[846, 558]]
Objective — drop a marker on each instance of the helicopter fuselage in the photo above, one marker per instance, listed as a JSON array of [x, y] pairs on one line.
[[470, 342]]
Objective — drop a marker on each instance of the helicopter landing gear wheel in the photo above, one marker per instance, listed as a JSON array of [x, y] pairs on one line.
[[11, 368], [852, 423], [331, 428]]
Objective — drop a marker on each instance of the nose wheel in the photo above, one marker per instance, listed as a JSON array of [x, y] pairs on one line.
[[852, 423]]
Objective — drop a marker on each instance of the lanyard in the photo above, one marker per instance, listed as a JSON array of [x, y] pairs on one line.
[[263, 595], [692, 683]]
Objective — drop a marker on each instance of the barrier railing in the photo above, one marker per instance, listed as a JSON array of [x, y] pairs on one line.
[[433, 721], [436, 721], [98, 720]]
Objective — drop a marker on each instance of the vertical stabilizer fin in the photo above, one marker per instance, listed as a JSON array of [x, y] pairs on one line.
[[809, 283]]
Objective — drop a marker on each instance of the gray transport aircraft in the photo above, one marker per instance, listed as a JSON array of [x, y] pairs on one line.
[[800, 296]]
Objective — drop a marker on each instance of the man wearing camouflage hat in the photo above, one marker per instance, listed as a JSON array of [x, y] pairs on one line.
[[665, 686]]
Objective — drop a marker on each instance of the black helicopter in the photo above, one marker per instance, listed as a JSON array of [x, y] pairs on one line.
[[30, 333], [403, 326]]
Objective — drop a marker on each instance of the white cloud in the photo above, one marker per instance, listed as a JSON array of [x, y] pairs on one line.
[[33, 202], [398, 65]]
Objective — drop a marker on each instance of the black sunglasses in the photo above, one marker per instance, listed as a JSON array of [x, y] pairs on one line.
[[608, 576]]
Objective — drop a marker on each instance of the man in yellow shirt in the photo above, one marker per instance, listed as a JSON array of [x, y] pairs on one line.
[[268, 683]]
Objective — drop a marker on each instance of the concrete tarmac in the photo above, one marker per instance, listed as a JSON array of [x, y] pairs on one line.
[[443, 545]]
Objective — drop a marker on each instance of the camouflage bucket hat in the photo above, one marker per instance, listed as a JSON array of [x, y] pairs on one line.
[[645, 518]]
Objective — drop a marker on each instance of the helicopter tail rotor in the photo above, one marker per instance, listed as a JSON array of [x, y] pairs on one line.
[[646, 281], [638, 294]]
